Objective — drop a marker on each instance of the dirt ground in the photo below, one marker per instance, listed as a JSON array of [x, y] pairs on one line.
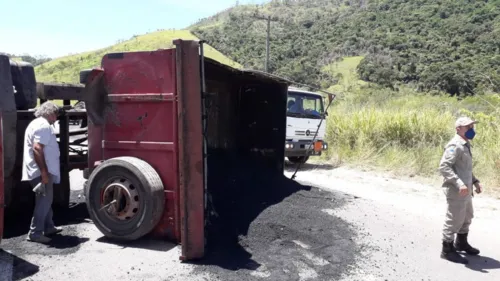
[[335, 224]]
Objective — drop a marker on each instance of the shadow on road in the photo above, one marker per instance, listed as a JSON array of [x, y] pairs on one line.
[[263, 224], [290, 167], [239, 191], [18, 223], [482, 263], [66, 241], [15, 268], [69, 241], [146, 243]]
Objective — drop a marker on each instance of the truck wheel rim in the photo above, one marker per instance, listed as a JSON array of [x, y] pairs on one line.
[[120, 199]]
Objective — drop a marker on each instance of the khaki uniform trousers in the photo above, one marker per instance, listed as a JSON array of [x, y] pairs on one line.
[[459, 214]]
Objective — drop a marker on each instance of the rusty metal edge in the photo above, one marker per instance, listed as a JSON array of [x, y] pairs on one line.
[[190, 137]]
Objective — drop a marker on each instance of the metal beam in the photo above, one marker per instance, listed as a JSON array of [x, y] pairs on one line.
[[58, 91]]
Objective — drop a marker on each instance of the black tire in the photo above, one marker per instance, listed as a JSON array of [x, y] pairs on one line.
[[9, 116], [84, 74], [7, 100], [24, 81], [141, 179], [298, 159]]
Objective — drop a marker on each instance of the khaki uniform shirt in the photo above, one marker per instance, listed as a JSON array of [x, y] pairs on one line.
[[456, 166]]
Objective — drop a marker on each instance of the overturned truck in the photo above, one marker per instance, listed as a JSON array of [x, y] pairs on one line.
[[166, 130]]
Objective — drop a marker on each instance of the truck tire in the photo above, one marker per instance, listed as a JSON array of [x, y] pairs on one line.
[[84, 74], [7, 100], [9, 116], [139, 194], [298, 159], [23, 79]]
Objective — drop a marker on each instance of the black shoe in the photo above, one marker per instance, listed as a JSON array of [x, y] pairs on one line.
[[450, 253], [461, 244]]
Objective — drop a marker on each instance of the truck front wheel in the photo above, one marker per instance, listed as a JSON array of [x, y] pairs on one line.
[[298, 159], [125, 198]]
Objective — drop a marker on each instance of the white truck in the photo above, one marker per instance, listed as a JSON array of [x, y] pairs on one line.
[[305, 110]]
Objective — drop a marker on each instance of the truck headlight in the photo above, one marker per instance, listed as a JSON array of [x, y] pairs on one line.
[[289, 145]]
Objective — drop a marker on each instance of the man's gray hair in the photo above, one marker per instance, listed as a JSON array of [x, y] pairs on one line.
[[47, 108]]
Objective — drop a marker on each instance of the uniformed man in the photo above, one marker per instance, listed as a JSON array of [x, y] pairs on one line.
[[41, 166], [456, 168]]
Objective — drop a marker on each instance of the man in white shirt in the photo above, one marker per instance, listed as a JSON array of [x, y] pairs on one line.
[[41, 165]]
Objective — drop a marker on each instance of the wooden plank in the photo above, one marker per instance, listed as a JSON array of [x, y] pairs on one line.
[[57, 91]]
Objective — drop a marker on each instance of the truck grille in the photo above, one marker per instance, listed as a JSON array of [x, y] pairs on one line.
[[300, 133], [308, 133]]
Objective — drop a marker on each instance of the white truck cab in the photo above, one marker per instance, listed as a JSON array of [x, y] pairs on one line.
[[305, 110]]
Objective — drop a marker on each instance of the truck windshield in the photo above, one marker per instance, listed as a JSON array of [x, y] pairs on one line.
[[304, 105]]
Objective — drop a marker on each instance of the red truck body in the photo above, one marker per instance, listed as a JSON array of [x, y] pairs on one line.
[[148, 90]]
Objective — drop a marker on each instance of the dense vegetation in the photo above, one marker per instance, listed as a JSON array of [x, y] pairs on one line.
[[447, 45], [405, 131]]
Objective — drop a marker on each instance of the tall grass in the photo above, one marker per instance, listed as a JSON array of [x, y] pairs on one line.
[[406, 132]]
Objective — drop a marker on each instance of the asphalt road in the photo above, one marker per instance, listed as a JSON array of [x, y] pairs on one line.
[[399, 224], [356, 226]]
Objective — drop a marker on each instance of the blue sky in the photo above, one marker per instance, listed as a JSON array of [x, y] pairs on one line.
[[56, 27]]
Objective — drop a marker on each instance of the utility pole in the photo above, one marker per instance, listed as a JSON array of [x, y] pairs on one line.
[[268, 19], [267, 42]]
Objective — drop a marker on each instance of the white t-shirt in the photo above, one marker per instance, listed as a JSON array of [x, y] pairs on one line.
[[39, 130]]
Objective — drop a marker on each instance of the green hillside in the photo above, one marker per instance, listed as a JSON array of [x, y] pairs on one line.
[[66, 69], [447, 45]]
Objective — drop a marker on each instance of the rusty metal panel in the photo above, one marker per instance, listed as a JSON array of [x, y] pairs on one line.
[[143, 121], [191, 167]]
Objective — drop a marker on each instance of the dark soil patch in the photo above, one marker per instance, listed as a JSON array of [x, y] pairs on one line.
[[268, 226], [17, 225]]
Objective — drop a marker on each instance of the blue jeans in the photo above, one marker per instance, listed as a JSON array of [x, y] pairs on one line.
[[42, 215]]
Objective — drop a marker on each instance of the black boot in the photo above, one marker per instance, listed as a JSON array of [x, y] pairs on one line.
[[450, 253], [461, 244]]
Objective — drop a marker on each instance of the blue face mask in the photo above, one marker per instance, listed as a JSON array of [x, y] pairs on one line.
[[470, 133]]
